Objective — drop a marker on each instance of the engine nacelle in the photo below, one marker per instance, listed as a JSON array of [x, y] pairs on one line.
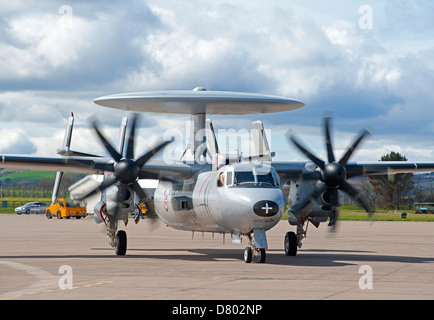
[[319, 214], [121, 208], [318, 210]]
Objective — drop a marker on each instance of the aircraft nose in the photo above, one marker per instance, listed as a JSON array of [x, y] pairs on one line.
[[266, 208]]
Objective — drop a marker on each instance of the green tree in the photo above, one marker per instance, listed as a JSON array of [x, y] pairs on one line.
[[392, 189]]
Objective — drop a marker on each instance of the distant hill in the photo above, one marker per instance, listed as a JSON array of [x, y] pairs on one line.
[[14, 177], [26, 177]]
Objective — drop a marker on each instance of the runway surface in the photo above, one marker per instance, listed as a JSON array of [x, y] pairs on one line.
[[167, 264]]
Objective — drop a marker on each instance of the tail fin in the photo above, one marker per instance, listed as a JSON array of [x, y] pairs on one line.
[[261, 143], [64, 150], [212, 140]]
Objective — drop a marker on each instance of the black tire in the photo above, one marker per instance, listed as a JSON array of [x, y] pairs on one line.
[[121, 247], [290, 244], [248, 255], [262, 255], [49, 215]]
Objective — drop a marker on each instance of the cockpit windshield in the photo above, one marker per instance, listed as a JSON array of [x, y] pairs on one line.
[[248, 178], [244, 176], [265, 178]]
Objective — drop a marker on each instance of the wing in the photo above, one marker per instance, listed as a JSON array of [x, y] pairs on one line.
[[65, 164], [293, 170], [387, 167], [154, 169]]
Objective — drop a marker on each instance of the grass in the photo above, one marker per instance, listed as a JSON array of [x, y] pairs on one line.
[[354, 213], [28, 177], [385, 216]]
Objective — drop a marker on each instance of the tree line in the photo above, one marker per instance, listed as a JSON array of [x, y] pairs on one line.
[[395, 191]]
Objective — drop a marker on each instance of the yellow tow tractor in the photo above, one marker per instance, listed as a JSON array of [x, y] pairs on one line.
[[63, 209]]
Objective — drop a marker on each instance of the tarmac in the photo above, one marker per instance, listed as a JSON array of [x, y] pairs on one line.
[[43, 259]]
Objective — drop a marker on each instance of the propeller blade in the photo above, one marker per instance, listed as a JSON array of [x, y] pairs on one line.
[[115, 155], [330, 154], [129, 154], [138, 189], [307, 153], [357, 196], [148, 155], [316, 175], [351, 149], [332, 194], [143, 198]]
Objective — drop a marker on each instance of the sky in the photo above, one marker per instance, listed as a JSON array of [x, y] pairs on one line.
[[369, 64]]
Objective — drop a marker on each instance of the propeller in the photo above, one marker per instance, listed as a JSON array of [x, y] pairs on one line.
[[126, 169], [331, 176]]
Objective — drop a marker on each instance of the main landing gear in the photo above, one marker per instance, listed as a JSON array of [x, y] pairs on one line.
[[290, 244], [121, 243], [117, 239], [293, 241]]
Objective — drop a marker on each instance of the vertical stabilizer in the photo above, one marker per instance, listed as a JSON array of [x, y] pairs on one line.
[[260, 141], [212, 140], [65, 148]]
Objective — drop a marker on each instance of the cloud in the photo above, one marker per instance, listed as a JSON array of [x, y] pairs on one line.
[[16, 142], [96, 46], [313, 52]]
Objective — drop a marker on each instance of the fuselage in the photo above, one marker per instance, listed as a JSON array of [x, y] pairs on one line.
[[235, 199]]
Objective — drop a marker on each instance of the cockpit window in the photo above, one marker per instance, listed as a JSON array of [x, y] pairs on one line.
[[265, 178], [249, 179], [244, 176], [229, 178]]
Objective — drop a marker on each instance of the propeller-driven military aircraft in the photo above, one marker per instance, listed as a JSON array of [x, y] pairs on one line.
[[242, 196]]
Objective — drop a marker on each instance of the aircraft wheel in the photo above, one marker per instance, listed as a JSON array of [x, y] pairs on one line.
[[261, 255], [290, 244], [248, 255], [121, 243]]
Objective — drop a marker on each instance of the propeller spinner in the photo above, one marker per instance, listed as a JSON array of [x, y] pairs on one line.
[[331, 175]]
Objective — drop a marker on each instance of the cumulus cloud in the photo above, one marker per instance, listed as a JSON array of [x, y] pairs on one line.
[[16, 142], [82, 46], [313, 52]]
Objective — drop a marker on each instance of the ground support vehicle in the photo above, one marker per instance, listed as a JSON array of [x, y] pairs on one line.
[[63, 209]]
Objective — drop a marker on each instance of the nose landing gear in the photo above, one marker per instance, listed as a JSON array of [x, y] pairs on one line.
[[259, 240], [249, 253]]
